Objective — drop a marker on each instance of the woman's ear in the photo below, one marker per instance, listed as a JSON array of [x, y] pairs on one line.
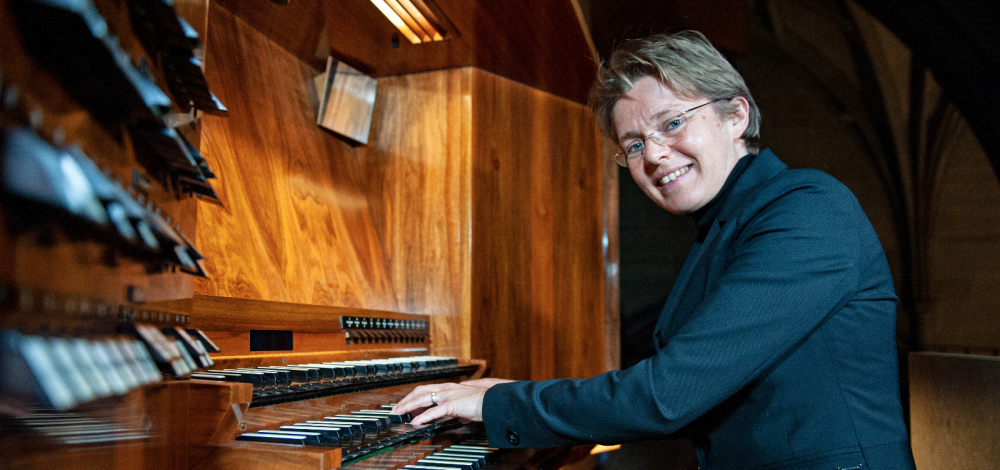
[[740, 118]]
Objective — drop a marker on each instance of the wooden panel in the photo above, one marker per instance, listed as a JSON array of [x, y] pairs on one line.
[[317, 334], [299, 27], [346, 101], [219, 408], [538, 300], [501, 229], [195, 12], [296, 226], [542, 44], [954, 411], [577, 176], [257, 456], [222, 313], [416, 170], [612, 276]]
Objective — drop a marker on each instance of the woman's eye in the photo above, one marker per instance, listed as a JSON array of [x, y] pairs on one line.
[[674, 124], [634, 147]]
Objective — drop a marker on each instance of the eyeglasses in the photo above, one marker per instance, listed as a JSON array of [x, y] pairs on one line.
[[635, 148]]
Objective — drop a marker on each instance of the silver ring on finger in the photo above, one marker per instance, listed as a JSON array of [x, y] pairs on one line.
[[434, 399]]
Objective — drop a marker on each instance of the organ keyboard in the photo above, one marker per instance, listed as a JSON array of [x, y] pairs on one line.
[[309, 420], [276, 384]]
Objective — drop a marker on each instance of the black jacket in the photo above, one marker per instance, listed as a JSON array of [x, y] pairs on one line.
[[776, 347]]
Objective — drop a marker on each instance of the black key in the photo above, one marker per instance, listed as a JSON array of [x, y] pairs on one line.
[[462, 455], [215, 377], [326, 373], [281, 377], [330, 371], [446, 461], [471, 447], [360, 370], [369, 423], [311, 438], [328, 433], [393, 418], [297, 376], [476, 462], [356, 428], [383, 421], [273, 438], [312, 373], [445, 464], [269, 378], [255, 379], [459, 453]]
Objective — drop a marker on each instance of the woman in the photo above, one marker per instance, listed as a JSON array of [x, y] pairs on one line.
[[775, 348]]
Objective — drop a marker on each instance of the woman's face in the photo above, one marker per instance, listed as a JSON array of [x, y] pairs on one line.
[[689, 168]]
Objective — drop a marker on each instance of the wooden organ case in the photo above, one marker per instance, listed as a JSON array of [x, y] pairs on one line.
[[219, 229]]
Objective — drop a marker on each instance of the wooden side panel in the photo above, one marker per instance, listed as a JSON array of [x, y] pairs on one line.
[[502, 314], [416, 170], [954, 411], [296, 225], [538, 282], [612, 257], [577, 234], [257, 456]]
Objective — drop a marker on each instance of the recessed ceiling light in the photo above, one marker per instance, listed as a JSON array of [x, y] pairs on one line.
[[419, 20]]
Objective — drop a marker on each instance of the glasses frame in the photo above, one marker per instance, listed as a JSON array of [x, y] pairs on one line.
[[622, 157]]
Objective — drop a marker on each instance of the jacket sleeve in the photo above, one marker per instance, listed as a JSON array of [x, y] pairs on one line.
[[791, 264]]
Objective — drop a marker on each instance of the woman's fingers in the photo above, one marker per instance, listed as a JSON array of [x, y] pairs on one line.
[[452, 400], [418, 398]]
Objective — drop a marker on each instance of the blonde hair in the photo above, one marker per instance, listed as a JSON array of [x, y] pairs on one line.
[[687, 63]]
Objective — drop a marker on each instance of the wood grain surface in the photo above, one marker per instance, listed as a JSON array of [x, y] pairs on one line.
[[418, 176], [488, 197], [479, 202], [954, 410], [296, 225], [316, 331], [347, 100], [300, 28], [538, 297], [541, 44], [261, 456], [612, 257]]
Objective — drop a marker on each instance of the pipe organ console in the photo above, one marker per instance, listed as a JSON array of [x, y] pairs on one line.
[[193, 275]]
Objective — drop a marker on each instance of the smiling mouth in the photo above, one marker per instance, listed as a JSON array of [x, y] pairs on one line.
[[673, 176]]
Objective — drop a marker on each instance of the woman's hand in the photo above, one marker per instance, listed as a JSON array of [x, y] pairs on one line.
[[463, 401]]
